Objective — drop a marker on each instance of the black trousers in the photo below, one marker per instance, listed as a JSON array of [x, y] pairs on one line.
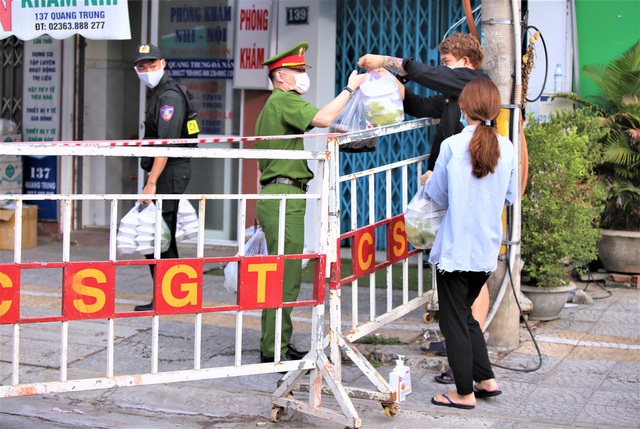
[[466, 348], [173, 180]]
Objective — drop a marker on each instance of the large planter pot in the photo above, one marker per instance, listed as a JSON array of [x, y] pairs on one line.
[[619, 251], [547, 301]]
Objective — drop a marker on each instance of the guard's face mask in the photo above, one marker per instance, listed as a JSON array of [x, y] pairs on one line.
[[151, 78]]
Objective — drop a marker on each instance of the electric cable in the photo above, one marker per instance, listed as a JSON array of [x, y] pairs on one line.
[[461, 20], [535, 343], [546, 62], [589, 281]]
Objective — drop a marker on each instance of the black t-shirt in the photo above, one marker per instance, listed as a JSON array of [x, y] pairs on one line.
[[450, 83]]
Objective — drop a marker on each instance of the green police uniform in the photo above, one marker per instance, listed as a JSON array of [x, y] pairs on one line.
[[285, 113]]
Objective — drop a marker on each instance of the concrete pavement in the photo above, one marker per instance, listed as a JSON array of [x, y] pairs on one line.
[[589, 376]]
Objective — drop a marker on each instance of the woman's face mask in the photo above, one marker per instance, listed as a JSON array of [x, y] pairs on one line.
[[463, 120], [303, 83]]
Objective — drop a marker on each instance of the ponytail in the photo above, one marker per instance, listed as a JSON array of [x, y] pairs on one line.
[[480, 100], [485, 151]]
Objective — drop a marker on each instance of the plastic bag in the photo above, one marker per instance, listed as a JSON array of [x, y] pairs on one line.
[[136, 233], [257, 245], [381, 99], [351, 119], [187, 224], [422, 220]]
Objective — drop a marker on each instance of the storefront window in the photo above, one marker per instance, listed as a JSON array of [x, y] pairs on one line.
[[197, 40]]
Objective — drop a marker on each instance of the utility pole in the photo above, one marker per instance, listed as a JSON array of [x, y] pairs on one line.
[[502, 61]]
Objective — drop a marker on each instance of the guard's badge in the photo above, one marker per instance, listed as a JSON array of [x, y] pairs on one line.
[[144, 49], [166, 112]]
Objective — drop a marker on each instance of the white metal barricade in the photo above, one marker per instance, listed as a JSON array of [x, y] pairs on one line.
[[102, 275]]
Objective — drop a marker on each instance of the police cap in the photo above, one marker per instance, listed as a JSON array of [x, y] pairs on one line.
[[147, 52], [293, 58]]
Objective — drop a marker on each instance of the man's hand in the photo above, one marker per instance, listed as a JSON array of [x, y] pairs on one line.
[[425, 176], [370, 62], [149, 188]]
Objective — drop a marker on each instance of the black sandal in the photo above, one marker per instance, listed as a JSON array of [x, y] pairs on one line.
[[445, 378]]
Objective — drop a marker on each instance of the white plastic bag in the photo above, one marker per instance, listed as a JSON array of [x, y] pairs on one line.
[[351, 119], [257, 245], [187, 225], [422, 220], [137, 231], [381, 98]]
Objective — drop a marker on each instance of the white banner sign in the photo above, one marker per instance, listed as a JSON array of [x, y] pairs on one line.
[[41, 97], [254, 21], [93, 19]]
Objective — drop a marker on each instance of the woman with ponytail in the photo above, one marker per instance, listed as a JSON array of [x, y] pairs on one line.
[[474, 178]]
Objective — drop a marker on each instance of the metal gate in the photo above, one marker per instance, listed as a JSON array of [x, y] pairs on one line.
[[11, 65], [371, 26], [88, 287]]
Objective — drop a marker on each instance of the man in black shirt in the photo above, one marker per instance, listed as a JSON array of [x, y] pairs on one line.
[[461, 56]]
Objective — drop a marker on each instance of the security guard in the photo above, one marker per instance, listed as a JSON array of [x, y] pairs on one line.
[[286, 113], [166, 117]]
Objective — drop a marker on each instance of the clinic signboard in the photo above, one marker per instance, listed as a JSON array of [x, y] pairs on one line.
[[196, 39], [254, 22], [93, 19]]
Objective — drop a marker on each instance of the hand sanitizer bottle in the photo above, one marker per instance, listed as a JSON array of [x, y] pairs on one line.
[[400, 379]]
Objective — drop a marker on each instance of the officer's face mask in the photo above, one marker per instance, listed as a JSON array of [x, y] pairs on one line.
[[303, 83], [151, 78]]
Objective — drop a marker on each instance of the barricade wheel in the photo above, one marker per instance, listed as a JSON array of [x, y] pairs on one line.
[[276, 414], [391, 410], [429, 316]]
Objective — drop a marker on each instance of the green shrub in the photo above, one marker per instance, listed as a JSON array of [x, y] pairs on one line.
[[563, 200]]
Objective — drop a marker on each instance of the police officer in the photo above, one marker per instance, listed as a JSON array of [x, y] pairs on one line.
[[286, 113], [165, 118]]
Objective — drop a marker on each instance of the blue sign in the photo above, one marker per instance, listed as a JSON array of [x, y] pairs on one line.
[[40, 176], [203, 69]]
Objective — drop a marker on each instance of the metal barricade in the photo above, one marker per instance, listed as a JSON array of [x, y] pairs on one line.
[[88, 288]]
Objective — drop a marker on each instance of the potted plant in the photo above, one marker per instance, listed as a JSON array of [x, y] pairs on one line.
[[619, 107], [561, 207]]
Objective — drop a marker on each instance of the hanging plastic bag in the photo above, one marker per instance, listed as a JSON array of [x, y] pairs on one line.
[[381, 98], [136, 233], [187, 224], [422, 220], [351, 119], [257, 245]]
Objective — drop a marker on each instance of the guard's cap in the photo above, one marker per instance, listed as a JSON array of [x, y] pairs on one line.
[[293, 58], [147, 52]]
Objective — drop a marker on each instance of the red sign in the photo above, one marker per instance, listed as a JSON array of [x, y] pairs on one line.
[[88, 290], [260, 282], [397, 246], [9, 294], [178, 287], [363, 251]]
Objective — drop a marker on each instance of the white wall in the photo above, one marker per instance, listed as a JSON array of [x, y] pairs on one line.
[[554, 20]]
